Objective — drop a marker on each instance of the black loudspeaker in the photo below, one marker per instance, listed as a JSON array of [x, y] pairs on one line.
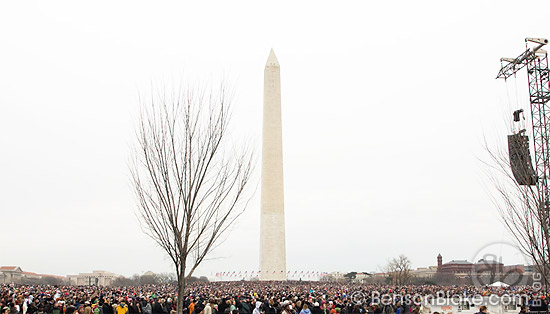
[[520, 159]]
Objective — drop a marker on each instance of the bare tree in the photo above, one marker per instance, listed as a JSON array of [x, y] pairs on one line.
[[350, 276], [189, 187], [522, 210], [166, 278], [147, 279], [125, 282], [398, 270]]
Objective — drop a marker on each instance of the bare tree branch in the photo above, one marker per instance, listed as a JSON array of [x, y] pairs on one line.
[[189, 189], [398, 270], [521, 210]]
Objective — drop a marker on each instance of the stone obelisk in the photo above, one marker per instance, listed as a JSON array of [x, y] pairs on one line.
[[272, 225]]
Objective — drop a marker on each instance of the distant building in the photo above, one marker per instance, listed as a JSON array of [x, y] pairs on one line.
[[11, 274], [95, 278], [362, 277], [14, 274], [464, 268], [336, 276], [31, 275], [529, 269], [488, 266], [456, 266], [424, 272]]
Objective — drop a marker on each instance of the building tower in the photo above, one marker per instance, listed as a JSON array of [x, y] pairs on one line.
[[272, 221], [439, 261]]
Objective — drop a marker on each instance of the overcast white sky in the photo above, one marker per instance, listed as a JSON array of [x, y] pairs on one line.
[[385, 106]]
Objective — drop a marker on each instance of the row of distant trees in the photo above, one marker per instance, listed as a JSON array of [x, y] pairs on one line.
[[134, 280], [52, 281], [397, 271], [154, 279]]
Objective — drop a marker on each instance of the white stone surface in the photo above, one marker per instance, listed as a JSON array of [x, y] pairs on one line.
[[272, 225]]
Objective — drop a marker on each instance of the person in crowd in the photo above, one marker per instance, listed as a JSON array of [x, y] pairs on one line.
[[96, 308], [305, 309], [122, 308], [257, 308], [87, 308], [207, 308], [157, 307], [482, 310], [244, 306], [523, 310], [191, 307], [133, 307], [287, 308]]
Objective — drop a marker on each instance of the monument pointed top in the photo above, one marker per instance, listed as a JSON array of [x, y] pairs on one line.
[[272, 60]]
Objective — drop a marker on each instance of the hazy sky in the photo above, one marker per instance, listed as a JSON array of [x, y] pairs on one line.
[[385, 107]]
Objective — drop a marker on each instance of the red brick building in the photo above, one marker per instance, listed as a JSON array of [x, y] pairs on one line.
[[456, 266], [465, 267]]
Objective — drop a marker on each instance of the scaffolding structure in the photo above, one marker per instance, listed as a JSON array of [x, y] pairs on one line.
[[535, 59]]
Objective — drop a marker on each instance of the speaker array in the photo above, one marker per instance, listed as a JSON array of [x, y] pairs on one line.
[[520, 159]]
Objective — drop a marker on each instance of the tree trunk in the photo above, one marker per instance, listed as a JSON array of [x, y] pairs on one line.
[[181, 294]]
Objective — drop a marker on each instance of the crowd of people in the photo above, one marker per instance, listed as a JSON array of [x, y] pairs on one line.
[[239, 298]]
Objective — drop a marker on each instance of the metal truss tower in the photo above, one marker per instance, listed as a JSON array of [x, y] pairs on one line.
[[535, 60]]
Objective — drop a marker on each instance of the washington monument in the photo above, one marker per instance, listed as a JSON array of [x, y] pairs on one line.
[[272, 225]]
